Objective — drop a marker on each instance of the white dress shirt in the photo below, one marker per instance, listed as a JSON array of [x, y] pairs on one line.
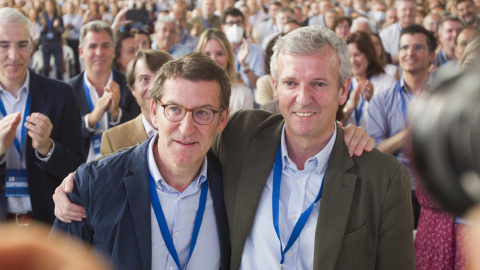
[[103, 123], [180, 211], [298, 191]]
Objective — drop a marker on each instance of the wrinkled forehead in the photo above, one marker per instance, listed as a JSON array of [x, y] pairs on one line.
[[13, 31]]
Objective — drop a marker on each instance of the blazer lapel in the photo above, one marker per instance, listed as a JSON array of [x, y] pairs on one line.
[[335, 206], [37, 104], [255, 170], [137, 132], [138, 193]]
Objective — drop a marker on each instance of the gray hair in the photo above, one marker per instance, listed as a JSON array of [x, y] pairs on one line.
[[10, 15], [360, 20], [95, 26], [164, 19], [311, 40]]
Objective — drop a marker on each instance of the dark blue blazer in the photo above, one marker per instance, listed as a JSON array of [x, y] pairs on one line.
[[116, 195], [56, 100], [130, 108]]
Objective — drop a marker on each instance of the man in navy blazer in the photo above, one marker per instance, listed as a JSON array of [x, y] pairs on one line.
[[46, 111], [160, 205], [102, 92]]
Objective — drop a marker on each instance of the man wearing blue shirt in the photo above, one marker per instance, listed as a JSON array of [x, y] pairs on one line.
[[160, 205], [166, 38], [387, 112]]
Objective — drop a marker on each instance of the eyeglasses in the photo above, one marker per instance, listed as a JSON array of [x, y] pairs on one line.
[[201, 116], [22, 46], [416, 48], [237, 22]]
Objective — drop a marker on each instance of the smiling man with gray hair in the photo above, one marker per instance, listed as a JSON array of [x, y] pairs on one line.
[[294, 195]]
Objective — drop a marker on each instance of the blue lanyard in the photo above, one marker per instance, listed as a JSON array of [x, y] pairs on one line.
[[18, 145], [444, 57], [162, 223], [206, 23], [359, 111], [184, 38], [277, 179], [89, 98], [402, 102]]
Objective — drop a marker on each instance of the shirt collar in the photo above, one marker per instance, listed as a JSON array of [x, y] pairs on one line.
[[25, 89], [149, 129], [320, 159], [90, 85], [427, 86], [157, 176]]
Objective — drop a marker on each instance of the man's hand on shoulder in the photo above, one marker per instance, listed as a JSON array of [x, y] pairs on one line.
[[65, 210], [357, 139]]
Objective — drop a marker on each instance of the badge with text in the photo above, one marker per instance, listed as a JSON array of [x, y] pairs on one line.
[[16, 184], [96, 143]]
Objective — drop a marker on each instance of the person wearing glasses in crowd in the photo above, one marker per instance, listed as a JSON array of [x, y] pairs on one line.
[[40, 135], [388, 110]]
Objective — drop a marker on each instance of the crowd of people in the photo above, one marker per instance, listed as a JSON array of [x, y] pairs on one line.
[[180, 78]]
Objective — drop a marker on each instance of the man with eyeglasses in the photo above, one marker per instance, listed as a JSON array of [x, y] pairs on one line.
[[166, 180], [388, 110], [102, 92], [40, 137], [248, 56]]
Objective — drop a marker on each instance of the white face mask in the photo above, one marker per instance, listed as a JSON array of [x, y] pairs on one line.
[[379, 16], [234, 33]]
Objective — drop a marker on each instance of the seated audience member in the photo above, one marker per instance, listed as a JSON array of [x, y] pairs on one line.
[[265, 90], [330, 16], [183, 37], [125, 50], [166, 37], [206, 20], [140, 74], [267, 27], [391, 35], [468, 13], [102, 92], [391, 17], [142, 38], [342, 26], [138, 200], [447, 34], [471, 54], [284, 14], [432, 22], [388, 110], [214, 44], [248, 56], [384, 57], [361, 24], [466, 36], [369, 78]]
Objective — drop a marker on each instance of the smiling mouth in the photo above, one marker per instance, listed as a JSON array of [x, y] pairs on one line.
[[304, 114], [186, 143]]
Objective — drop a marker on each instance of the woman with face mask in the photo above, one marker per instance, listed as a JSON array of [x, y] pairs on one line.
[[214, 43], [368, 77]]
